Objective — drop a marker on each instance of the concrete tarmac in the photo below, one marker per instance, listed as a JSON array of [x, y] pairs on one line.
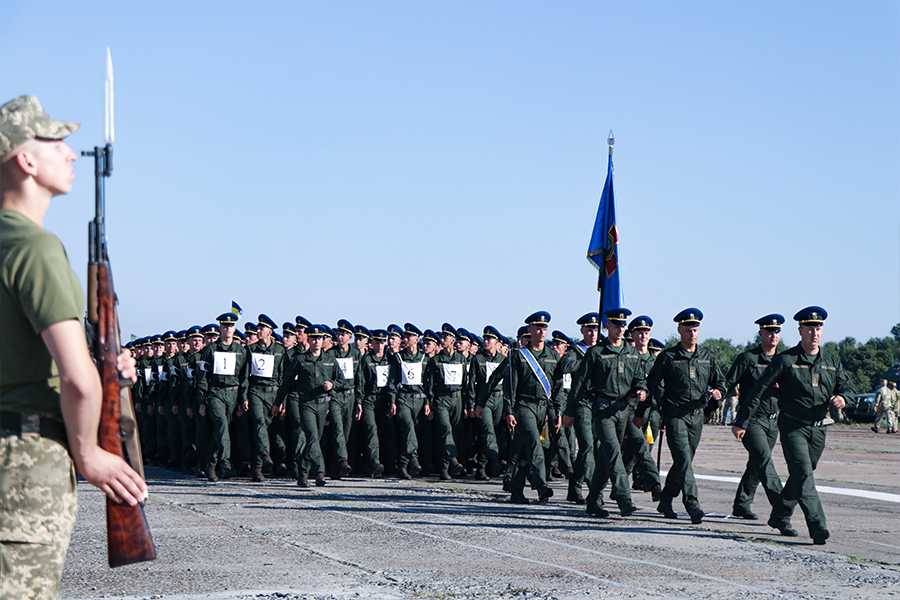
[[387, 538]]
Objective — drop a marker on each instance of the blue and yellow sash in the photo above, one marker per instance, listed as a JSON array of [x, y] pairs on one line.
[[537, 370], [581, 349]]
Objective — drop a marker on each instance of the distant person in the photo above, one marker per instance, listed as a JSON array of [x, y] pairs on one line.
[[884, 407]]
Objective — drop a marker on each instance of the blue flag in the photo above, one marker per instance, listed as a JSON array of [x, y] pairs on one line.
[[236, 308], [603, 251]]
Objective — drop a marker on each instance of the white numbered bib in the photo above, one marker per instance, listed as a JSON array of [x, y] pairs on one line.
[[224, 363], [346, 366], [567, 381], [203, 366], [410, 373], [162, 374], [453, 374], [190, 373], [262, 365], [490, 367], [381, 375], [148, 374]]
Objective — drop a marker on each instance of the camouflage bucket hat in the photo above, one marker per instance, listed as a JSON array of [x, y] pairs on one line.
[[23, 119]]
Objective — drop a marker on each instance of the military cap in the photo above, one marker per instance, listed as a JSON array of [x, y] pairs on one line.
[[210, 329], [560, 338], [181, 335], [811, 315], [129, 345], [195, 331], [523, 332], [627, 336], [465, 334], [541, 317], [380, 335], [250, 327], [170, 336], [641, 322], [266, 321], [591, 319], [288, 327], [277, 338], [689, 316], [410, 329], [655, 344], [491, 331], [301, 323], [23, 119], [330, 332], [156, 339], [315, 331], [362, 332], [430, 335], [345, 326], [892, 384], [394, 329], [619, 316], [239, 335], [448, 329], [477, 340], [228, 317], [508, 342], [773, 322]]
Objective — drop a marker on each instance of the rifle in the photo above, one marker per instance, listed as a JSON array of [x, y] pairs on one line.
[[128, 535]]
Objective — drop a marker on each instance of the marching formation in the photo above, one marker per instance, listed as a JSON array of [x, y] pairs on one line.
[[317, 402]]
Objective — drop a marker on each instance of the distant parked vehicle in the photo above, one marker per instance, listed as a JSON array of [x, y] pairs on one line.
[[861, 409]]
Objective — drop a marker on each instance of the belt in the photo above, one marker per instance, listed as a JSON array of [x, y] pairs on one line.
[[455, 394], [820, 423], [605, 400], [315, 400], [18, 424], [223, 387], [267, 388], [408, 395]]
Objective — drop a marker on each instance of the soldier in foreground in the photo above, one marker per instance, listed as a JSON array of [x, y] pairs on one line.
[[810, 381]]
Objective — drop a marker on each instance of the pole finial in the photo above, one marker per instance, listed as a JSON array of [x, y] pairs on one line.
[[611, 140]]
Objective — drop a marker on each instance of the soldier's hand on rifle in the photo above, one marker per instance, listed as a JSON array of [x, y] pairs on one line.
[[127, 366]]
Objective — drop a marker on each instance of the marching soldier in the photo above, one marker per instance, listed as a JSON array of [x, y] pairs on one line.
[[263, 372], [343, 397], [809, 380], [688, 371], [578, 410], [406, 386], [527, 406], [613, 374], [562, 450], [222, 389], [301, 324], [488, 406], [311, 374], [760, 429], [376, 409], [444, 378], [635, 451], [362, 337]]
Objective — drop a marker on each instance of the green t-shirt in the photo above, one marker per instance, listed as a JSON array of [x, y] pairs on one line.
[[37, 289]]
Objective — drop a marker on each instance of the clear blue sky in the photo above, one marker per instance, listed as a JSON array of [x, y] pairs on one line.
[[442, 161]]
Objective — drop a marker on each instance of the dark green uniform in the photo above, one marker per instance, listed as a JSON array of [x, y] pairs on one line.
[[445, 378], [530, 403], [406, 386], [306, 375], [264, 371], [221, 386], [636, 452], [761, 432], [612, 375], [805, 386], [343, 401], [579, 409], [202, 423], [687, 376], [372, 384], [482, 367]]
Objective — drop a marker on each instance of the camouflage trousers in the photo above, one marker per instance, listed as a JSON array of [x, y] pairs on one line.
[[38, 505]]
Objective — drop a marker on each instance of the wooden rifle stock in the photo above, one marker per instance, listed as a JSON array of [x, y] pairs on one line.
[[128, 535]]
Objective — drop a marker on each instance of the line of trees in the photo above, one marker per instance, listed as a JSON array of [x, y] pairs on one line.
[[865, 363]]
